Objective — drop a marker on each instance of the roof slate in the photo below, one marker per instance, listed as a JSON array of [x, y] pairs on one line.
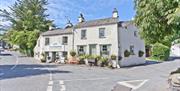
[[58, 32], [97, 22]]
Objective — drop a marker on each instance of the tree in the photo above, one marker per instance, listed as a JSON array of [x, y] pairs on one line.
[[28, 20], [156, 20]]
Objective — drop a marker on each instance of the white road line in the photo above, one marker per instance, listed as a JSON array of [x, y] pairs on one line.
[[61, 82], [49, 88], [12, 68], [91, 79], [127, 83], [50, 75], [50, 83], [63, 88]]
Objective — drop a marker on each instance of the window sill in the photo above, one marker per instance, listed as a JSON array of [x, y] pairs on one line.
[[83, 38], [102, 37]]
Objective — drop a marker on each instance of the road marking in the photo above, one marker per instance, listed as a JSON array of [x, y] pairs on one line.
[[90, 79], [127, 83], [12, 68], [63, 88], [50, 83], [49, 88]]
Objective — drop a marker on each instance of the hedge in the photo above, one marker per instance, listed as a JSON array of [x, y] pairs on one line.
[[160, 52]]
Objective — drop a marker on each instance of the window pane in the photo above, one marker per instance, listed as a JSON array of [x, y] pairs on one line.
[[65, 40], [46, 41], [83, 34], [101, 32]]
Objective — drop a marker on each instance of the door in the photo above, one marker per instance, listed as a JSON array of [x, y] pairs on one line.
[[92, 49]]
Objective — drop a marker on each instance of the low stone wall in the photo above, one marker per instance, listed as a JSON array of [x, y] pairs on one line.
[[174, 82]]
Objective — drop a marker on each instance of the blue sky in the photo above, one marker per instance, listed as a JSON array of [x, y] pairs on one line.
[[92, 9]]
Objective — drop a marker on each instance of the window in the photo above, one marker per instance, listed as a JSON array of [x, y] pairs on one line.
[[135, 33], [105, 50], [81, 50], [132, 50], [64, 54], [101, 32], [47, 41], [65, 40], [83, 34]]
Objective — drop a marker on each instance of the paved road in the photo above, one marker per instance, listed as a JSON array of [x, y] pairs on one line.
[[18, 73]]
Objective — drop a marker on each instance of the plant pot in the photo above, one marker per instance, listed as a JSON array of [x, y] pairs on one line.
[[86, 61], [114, 63]]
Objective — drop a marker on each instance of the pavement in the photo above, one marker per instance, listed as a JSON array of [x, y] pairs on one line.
[[20, 73]]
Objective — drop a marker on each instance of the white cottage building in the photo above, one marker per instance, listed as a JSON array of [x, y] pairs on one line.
[[96, 37]]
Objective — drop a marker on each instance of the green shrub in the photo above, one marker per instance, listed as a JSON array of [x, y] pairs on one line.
[[82, 57], [113, 57], [127, 53], [73, 53], [98, 57], [104, 59], [141, 53], [43, 59], [160, 52]]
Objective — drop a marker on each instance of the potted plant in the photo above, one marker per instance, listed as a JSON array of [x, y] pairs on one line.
[[97, 60], [82, 59], [127, 53], [141, 53], [73, 53], [73, 59], [43, 58], [114, 61], [91, 60], [104, 61]]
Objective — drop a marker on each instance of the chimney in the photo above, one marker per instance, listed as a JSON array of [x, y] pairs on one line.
[[115, 13], [81, 18], [50, 28]]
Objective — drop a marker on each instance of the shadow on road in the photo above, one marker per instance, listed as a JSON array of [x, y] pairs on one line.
[[5, 54], [24, 70]]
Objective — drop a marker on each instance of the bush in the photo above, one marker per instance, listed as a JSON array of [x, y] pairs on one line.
[[141, 53], [104, 61], [73, 53], [160, 52], [43, 59], [113, 57], [127, 53], [98, 57]]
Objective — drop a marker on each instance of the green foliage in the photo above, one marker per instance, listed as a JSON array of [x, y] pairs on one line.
[[160, 52], [28, 20], [98, 57], [73, 53], [157, 21], [113, 57], [127, 53], [104, 59], [141, 53], [43, 59]]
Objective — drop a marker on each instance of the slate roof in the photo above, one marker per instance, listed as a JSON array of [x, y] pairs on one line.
[[97, 22], [58, 32]]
